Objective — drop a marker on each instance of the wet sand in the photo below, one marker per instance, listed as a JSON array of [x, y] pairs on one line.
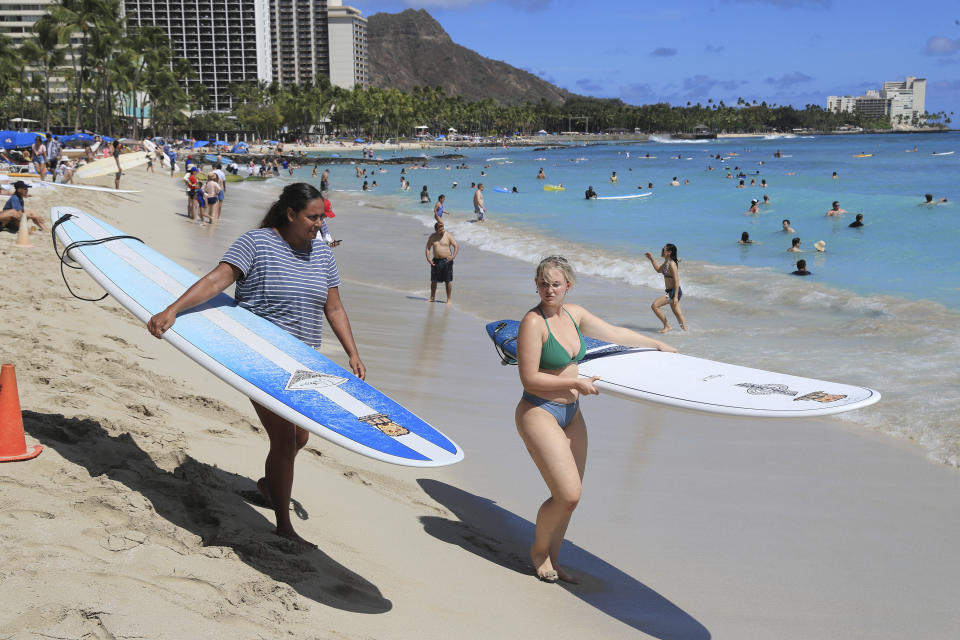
[[134, 522]]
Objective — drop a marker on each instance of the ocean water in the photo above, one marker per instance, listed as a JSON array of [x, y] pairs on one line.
[[882, 308]]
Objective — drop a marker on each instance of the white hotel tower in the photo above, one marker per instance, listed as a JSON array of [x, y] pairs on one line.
[[283, 41]]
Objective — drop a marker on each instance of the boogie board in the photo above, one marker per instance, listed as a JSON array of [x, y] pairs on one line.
[[686, 382], [501, 190], [554, 187], [253, 355], [106, 166], [942, 153], [630, 197]]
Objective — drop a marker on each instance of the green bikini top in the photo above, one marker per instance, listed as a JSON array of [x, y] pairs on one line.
[[554, 355]]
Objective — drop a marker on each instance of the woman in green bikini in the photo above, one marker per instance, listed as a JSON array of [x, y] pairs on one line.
[[549, 346]]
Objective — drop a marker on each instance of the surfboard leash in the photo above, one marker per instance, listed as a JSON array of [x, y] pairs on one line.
[[505, 358], [77, 245]]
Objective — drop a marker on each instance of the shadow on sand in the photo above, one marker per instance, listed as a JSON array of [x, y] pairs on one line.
[[493, 533], [205, 501]]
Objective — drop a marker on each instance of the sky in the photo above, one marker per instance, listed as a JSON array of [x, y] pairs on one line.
[[794, 52]]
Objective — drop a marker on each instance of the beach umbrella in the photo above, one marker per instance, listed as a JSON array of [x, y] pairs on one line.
[[200, 143], [221, 143], [441, 137], [273, 142], [106, 138], [359, 140], [334, 155], [20, 139], [6, 139]]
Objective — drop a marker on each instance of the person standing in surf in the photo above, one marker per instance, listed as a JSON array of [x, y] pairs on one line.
[[670, 268], [549, 345], [285, 274]]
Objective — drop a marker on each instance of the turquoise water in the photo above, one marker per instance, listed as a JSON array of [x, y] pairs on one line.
[[881, 310], [905, 249]]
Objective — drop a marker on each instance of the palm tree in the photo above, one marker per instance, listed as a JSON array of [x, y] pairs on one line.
[[83, 18], [50, 54]]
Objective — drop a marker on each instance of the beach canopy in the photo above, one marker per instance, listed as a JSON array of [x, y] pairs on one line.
[[359, 140], [421, 126], [18, 139], [77, 137], [221, 143], [441, 137], [200, 143], [541, 132], [273, 142]]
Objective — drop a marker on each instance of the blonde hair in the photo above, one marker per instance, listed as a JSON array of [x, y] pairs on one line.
[[555, 262]]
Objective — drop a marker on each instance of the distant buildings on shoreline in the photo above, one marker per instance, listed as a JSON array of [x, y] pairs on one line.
[[901, 103]]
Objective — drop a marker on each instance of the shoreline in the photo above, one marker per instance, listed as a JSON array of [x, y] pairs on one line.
[[130, 522]]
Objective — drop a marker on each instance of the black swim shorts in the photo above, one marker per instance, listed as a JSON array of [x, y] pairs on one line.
[[442, 270]]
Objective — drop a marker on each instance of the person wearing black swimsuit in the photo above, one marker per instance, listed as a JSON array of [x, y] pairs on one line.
[[549, 345]]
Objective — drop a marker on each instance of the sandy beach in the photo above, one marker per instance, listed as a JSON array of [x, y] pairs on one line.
[[133, 522]]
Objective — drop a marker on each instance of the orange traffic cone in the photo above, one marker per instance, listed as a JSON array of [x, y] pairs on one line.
[[13, 445], [23, 233]]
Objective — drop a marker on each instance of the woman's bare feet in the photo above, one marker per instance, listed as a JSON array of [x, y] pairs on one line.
[[305, 545], [543, 568], [264, 491], [665, 329], [566, 577]]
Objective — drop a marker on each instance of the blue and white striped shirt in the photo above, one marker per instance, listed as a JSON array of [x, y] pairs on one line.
[[286, 286]]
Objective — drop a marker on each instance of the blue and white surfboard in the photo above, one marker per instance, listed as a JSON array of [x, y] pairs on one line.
[[253, 355]]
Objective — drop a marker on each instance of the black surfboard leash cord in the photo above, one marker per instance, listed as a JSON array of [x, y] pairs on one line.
[[505, 358], [77, 245]]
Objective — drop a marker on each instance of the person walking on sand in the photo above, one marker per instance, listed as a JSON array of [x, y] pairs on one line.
[[285, 274], [550, 345], [478, 207], [670, 268], [38, 151], [445, 249]]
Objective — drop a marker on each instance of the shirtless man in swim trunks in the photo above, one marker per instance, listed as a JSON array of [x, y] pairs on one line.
[[478, 207], [445, 249], [835, 210]]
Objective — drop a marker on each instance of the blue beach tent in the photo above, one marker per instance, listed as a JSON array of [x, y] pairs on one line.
[[221, 143]]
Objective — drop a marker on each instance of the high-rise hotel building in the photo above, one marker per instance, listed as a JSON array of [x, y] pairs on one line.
[[17, 17], [282, 41], [903, 103], [224, 40]]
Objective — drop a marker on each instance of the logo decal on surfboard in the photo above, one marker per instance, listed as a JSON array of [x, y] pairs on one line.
[[383, 422], [767, 389], [821, 396], [304, 380]]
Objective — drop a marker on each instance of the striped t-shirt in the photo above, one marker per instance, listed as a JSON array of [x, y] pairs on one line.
[[286, 286]]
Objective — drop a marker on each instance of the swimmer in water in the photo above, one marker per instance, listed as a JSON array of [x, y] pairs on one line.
[[786, 227], [835, 210]]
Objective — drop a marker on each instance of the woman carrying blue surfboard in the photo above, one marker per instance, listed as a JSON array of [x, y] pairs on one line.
[[549, 345], [288, 276]]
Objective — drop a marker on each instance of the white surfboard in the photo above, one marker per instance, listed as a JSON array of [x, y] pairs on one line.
[[685, 382], [85, 187], [630, 197], [252, 354], [106, 166]]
